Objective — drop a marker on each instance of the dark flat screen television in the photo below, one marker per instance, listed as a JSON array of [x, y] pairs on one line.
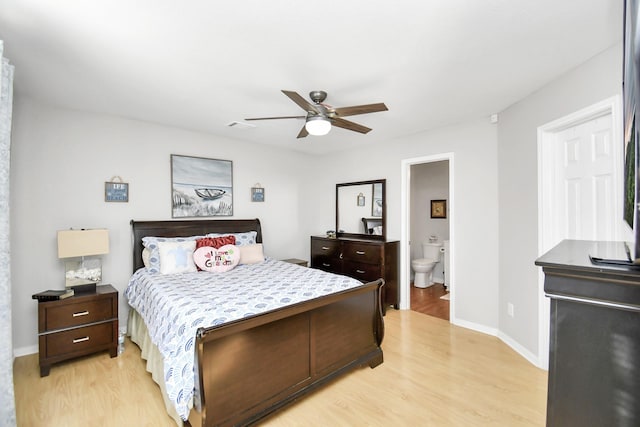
[[631, 98], [630, 95]]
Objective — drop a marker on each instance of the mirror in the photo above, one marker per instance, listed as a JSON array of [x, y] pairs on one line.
[[361, 209]]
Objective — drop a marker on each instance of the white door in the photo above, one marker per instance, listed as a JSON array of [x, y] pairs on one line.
[[587, 181], [580, 187]]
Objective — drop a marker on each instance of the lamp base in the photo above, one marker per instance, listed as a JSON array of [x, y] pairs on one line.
[[83, 289]]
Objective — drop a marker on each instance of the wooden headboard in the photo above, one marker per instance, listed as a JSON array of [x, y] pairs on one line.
[[188, 228]]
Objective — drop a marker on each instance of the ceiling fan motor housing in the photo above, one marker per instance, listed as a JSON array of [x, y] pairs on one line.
[[318, 96]]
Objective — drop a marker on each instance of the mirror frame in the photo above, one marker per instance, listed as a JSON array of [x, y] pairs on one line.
[[383, 236]]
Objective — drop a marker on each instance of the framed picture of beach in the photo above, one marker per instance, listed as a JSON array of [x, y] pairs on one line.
[[201, 187]]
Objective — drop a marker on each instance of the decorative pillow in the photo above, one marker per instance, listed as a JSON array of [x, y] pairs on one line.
[[151, 243], [145, 257], [216, 242], [217, 260], [251, 254], [176, 257], [242, 239]]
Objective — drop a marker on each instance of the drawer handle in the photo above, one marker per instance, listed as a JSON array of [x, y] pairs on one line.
[[81, 313], [77, 340], [324, 248], [360, 252], [326, 265], [360, 271]]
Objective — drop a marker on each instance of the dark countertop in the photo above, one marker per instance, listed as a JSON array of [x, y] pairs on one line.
[[570, 272]]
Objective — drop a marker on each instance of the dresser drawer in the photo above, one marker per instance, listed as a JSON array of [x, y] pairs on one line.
[[332, 265], [77, 313], [362, 252], [328, 248], [362, 271], [79, 340]]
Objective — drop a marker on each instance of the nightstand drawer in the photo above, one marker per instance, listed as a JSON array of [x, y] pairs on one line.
[[77, 313], [79, 340]]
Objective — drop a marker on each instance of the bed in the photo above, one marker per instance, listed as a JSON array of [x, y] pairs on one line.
[[246, 368]]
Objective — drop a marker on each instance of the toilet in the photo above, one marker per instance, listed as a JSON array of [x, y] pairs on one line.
[[423, 267]]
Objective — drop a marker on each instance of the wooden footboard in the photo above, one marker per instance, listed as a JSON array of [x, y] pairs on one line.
[[249, 368]]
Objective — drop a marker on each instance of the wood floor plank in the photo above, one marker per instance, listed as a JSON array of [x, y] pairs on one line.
[[434, 374], [428, 301]]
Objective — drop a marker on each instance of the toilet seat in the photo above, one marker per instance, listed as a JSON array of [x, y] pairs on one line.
[[423, 261]]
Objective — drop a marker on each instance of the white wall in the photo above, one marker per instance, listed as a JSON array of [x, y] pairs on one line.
[[594, 81], [60, 161], [474, 145], [429, 181]]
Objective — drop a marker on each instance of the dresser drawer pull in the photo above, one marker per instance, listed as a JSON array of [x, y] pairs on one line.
[[324, 264], [324, 248], [77, 340], [360, 271], [360, 252], [81, 313]]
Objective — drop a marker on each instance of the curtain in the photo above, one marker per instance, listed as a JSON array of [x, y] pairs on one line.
[[7, 398]]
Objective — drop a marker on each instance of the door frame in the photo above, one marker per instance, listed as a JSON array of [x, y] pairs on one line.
[[548, 227], [405, 228]]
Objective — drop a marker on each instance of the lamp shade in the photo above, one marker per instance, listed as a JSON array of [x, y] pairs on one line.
[[78, 243], [318, 125]]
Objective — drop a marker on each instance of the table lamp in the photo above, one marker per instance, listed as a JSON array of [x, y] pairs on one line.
[[83, 275]]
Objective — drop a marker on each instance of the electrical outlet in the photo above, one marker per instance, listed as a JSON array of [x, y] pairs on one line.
[[510, 310]]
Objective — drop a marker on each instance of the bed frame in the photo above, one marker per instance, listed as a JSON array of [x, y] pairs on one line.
[[249, 368]]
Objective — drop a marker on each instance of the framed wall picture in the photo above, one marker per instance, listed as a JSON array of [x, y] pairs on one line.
[[438, 209], [257, 194], [116, 191], [201, 187]]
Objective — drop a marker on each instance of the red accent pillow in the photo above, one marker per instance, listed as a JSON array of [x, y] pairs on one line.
[[215, 242]]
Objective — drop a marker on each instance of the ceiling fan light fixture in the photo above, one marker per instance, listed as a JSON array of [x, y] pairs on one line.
[[318, 125]]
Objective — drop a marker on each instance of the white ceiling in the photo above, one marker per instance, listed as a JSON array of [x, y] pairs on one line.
[[201, 64]]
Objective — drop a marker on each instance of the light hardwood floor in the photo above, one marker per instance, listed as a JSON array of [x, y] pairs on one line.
[[434, 374]]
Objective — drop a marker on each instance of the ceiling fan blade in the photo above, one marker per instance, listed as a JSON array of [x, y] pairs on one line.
[[346, 124], [276, 118], [360, 109], [302, 103], [303, 132]]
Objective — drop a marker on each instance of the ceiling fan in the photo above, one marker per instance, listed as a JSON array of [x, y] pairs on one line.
[[320, 116]]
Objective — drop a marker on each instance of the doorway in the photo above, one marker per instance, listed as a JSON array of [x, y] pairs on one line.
[[425, 179], [579, 188]]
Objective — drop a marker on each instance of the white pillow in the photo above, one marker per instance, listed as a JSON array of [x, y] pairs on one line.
[[146, 254], [251, 254], [177, 257]]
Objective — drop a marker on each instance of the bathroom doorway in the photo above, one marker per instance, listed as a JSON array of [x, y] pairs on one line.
[[427, 185]]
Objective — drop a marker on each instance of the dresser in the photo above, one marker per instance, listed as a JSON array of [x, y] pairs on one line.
[[594, 347], [83, 324], [363, 259]]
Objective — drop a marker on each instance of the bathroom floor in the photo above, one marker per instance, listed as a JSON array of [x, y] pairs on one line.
[[428, 301]]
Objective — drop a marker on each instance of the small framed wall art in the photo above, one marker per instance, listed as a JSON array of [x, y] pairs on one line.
[[257, 193], [438, 209], [116, 190]]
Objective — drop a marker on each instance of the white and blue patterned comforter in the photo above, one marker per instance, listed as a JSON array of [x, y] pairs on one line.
[[175, 306]]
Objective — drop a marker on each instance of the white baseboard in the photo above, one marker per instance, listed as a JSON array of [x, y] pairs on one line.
[[518, 348], [475, 327], [24, 351]]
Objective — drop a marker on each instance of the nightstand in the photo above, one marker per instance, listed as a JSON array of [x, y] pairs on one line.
[[83, 324], [296, 261]]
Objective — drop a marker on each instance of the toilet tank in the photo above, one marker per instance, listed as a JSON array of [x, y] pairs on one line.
[[432, 250]]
